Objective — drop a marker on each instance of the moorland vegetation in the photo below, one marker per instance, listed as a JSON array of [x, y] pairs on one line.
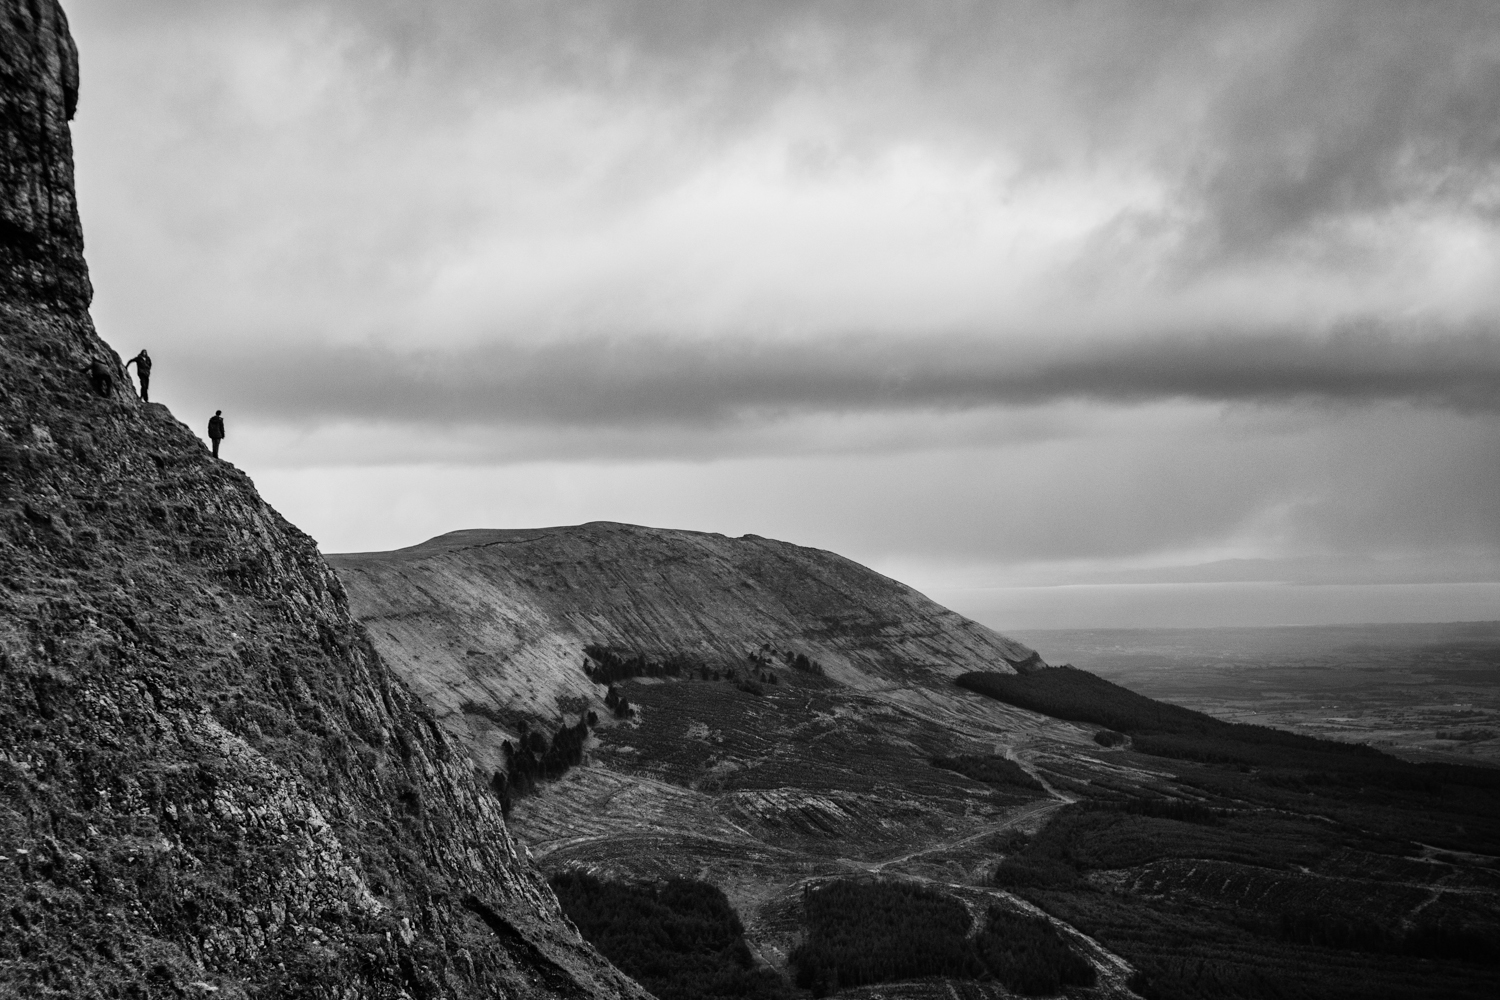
[[680, 939]]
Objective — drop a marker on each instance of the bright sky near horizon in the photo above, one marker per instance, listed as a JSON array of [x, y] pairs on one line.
[[1069, 314]]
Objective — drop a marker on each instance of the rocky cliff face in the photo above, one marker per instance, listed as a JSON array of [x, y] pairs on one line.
[[497, 620], [210, 783], [41, 241]]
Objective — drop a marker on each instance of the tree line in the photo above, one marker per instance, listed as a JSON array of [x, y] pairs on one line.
[[608, 665], [1051, 869], [860, 932], [618, 703], [768, 654], [533, 759], [990, 769], [1167, 730], [680, 939], [1329, 928]]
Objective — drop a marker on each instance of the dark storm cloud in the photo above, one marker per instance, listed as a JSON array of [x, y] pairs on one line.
[[1254, 124], [638, 382], [1264, 118], [1368, 106], [615, 253]]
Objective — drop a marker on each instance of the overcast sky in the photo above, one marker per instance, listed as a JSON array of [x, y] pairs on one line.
[[1068, 314]]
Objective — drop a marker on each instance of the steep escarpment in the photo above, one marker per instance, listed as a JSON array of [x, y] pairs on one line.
[[501, 618], [209, 780]]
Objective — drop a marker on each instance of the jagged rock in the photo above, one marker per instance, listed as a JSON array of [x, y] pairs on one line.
[[210, 783]]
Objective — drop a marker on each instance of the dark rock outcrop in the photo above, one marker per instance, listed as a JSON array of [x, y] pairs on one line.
[[41, 240], [210, 783]]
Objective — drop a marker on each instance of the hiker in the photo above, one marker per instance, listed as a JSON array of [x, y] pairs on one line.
[[102, 378], [142, 362], [216, 430]]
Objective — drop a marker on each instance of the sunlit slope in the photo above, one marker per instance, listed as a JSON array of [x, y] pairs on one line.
[[500, 618]]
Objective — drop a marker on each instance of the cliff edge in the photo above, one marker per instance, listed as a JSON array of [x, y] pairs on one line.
[[210, 783]]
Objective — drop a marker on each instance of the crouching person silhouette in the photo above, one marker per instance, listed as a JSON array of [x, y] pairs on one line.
[[101, 378], [216, 430]]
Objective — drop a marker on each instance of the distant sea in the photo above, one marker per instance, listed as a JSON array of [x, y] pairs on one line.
[[1190, 605]]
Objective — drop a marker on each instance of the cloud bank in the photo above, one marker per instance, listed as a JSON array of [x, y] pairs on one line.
[[638, 382], [1078, 289], [471, 171]]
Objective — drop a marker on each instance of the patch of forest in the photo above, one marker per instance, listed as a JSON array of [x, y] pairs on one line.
[[608, 664], [680, 939], [990, 769], [768, 654], [1101, 836], [534, 758], [1431, 802], [1187, 952], [1234, 912], [618, 704], [1211, 887], [862, 932], [1079, 696]]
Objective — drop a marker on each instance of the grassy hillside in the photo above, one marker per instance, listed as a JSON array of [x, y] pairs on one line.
[[504, 619]]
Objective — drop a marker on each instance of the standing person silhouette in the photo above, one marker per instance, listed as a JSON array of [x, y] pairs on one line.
[[142, 362], [216, 430]]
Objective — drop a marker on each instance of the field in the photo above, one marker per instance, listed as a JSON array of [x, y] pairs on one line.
[[1271, 864], [1423, 691]]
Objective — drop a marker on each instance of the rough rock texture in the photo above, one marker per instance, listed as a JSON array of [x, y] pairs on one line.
[[209, 781], [499, 619], [41, 241]]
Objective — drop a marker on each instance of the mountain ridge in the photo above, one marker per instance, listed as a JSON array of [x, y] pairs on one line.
[[792, 733], [1175, 856], [501, 617]]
